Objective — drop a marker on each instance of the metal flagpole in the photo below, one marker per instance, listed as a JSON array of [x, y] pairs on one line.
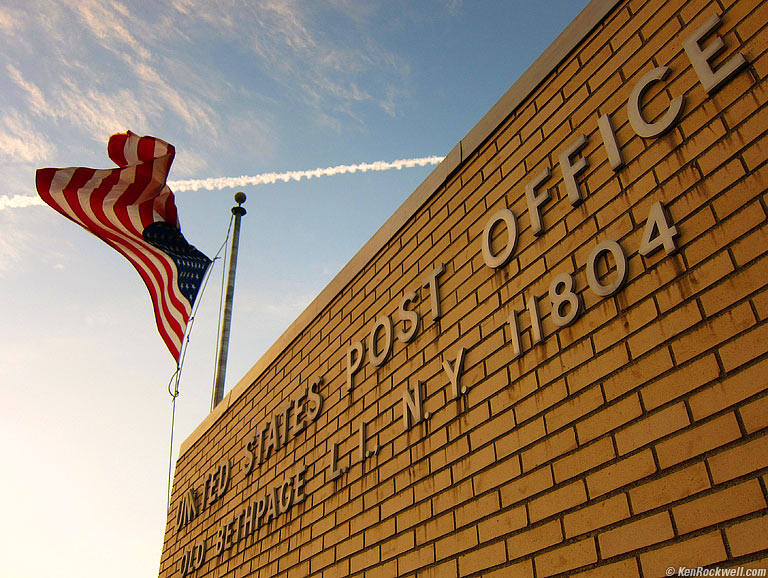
[[221, 366]]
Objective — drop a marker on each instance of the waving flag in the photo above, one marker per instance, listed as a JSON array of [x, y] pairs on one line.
[[132, 210]]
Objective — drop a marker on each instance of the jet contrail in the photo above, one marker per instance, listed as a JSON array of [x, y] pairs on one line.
[[270, 178], [19, 201], [215, 184]]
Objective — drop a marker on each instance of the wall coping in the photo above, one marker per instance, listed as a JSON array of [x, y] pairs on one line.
[[574, 33]]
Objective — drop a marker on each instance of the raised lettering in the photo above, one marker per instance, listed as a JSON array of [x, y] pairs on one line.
[[535, 201], [639, 124], [496, 260], [407, 316], [619, 259], [701, 57], [571, 171]]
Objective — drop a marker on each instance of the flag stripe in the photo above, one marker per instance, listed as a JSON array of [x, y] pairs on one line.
[[142, 255], [117, 205]]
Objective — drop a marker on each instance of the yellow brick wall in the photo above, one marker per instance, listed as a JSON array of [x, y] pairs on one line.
[[628, 442]]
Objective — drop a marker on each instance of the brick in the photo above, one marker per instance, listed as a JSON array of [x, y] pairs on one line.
[[724, 233], [729, 391], [670, 488], [754, 415], [414, 559], [624, 569], [626, 471], [651, 428], [735, 287], [457, 542], [625, 324], [712, 332], [481, 559], [665, 327], [534, 539], [639, 372], [556, 501], [608, 419], [740, 460], [496, 475], [522, 569], [449, 569], [544, 398], [566, 558], [746, 347], [476, 509], [575, 407], [551, 447], [597, 368], [692, 553], [694, 442], [719, 507], [503, 523], [526, 486], [585, 458], [749, 536], [596, 515], [364, 559], [681, 381], [635, 535], [520, 437]]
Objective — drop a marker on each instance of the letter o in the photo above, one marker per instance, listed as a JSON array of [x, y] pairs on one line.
[[384, 323], [503, 256], [614, 249]]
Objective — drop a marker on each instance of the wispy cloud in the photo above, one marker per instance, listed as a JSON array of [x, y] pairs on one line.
[[219, 183], [19, 142]]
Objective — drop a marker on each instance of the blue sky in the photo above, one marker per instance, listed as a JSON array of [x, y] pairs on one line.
[[239, 89]]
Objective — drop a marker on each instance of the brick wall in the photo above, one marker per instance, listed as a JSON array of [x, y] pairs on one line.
[[631, 440]]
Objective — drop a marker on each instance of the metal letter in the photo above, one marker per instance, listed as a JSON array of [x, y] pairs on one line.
[[298, 423], [514, 327], [334, 471], [612, 288], [434, 290], [503, 256], [361, 442], [700, 57], [298, 486], [639, 125], [315, 399], [412, 405], [286, 495], [537, 335], [354, 363], [561, 298], [609, 140], [403, 335], [535, 201], [385, 323], [658, 232], [571, 170], [454, 373]]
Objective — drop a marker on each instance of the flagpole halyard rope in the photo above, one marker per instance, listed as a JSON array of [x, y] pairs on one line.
[[174, 393]]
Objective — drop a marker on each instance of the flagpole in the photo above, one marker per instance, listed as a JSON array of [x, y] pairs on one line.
[[221, 366]]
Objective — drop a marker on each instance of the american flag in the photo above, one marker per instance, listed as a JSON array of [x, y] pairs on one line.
[[132, 210]]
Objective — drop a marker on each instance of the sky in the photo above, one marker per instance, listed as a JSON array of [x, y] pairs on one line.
[[240, 89]]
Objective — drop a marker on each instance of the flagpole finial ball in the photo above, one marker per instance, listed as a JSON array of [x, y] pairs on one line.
[[240, 197]]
